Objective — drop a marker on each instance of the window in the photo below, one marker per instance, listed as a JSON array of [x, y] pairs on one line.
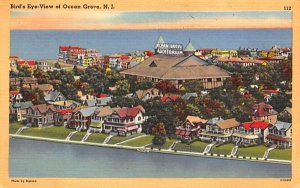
[[209, 79], [139, 118], [107, 127], [219, 79]]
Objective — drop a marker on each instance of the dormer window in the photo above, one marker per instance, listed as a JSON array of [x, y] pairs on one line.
[[152, 64]]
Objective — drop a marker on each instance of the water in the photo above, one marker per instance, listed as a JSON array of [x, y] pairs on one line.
[[30, 158], [43, 44]]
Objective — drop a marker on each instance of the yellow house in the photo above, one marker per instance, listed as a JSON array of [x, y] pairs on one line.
[[87, 61], [224, 53]]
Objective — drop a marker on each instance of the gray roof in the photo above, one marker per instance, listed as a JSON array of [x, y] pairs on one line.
[[187, 96], [280, 125], [52, 95], [214, 120], [99, 101], [23, 105], [87, 111], [189, 47]]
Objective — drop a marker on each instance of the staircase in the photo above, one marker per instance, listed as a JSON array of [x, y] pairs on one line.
[[266, 155], [208, 147], [107, 139], [238, 141], [173, 145], [20, 130], [234, 151], [70, 135], [86, 137]]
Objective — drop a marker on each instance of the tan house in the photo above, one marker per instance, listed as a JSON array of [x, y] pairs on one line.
[[147, 94], [40, 115], [221, 131], [190, 128]]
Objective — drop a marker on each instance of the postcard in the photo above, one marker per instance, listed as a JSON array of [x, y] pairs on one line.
[[148, 94]]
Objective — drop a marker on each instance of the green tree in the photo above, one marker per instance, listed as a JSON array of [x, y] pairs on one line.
[[143, 84], [280, 101], [57, 65], [123, 87], [34, 95], [42, 77], [159, 134], [193, 86], [24, 71]]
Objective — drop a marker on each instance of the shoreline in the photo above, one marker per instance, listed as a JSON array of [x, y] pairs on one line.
[[155, 150]]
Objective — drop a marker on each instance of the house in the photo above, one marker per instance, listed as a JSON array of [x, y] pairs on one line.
[[20, 110], [280, 134], [219, 130], [224, 53], [97, 101], [264, 112], [190, 128], [45, 88], [171, 98], [188, 96], [15, 82], [81, 118], [67, 104], [254, 132], [240, 61], [62, 117], [124, 121], [15, 96], [27, 63], [54, 96], [40, 115], [13, 63], [98, 118], [28, 82], [44, 66], [147, 94], [287, 111]]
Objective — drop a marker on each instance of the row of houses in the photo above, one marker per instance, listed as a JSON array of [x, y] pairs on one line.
[[264, 128], [15, 61]]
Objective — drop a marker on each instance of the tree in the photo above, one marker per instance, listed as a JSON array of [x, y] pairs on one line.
[[159, 134], [42, 77], [165, 86], [285, 117], [280, 101], [36, 96], [193, 86], [123, 87], [57, 65], [143, 84], [24, 71], [192, 110]]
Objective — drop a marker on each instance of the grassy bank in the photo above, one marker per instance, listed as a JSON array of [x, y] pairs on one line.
[[254, 151], [48, 132], [284, 154], [117, 139], [97, 138], [196, 146], [223, 149], [167, 145], [78, 136], [140, 141], [13, 127]]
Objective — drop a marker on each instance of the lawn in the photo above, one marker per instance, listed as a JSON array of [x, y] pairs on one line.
[[78, 136], [196, 146], [165, 146], [97, 138], [140, 141], [48, 132], [223, 149], [117, 139], [284, 154], [13, 127], [255, 151]]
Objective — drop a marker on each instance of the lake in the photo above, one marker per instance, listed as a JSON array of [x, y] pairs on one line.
[[32, 158]]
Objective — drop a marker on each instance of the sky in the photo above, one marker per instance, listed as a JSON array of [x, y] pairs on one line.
[[81, 19]]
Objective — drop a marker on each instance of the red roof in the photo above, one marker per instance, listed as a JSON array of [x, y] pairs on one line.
[[171, 98], [101, 95], [239, 60], [14, 57], [124, 57], [271, 58], [66, 48], [64, 111], [129, 112], [255, 124], [14, 92], [271, 91], [261, 109], [285, 49], [29, 62]]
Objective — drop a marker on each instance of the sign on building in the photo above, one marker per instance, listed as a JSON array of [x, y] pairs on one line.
[[169, 49]]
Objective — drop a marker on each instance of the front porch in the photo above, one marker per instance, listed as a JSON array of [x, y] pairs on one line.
[[215, 137]]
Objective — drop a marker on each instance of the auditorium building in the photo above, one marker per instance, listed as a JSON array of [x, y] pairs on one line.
[[172, 62]]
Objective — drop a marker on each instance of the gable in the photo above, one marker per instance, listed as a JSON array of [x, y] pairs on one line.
[[191, 61]]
